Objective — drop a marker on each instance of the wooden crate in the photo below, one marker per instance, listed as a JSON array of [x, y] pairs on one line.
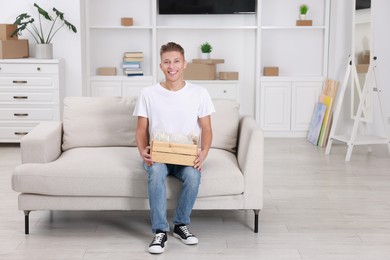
[[174, 153]]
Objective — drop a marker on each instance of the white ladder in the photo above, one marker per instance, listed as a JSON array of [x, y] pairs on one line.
[[370, 84]]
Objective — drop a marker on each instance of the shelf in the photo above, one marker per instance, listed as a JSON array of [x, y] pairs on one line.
[[291, 78], [361, 139], [120, 78], [121, 27], [208, 27], [293, 27]]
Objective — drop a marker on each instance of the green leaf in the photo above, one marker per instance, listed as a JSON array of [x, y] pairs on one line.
[[43, 12]]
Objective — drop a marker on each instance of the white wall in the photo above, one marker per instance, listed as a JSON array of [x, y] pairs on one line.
[[66, 44]]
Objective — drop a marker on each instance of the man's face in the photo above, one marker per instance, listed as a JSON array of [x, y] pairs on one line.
[[173, 65]]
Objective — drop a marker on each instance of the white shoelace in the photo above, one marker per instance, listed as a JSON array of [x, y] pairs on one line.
[[186, 231], [158, 238]]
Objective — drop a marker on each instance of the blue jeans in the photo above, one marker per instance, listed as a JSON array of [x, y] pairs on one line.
[[157, 174]]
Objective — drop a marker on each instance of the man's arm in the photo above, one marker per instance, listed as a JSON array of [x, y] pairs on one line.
[[142, 140], [206, 138]]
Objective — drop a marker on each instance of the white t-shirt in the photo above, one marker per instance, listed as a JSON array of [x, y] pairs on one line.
[[174, 112]]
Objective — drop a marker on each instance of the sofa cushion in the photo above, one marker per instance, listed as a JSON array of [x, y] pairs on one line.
[[225, 124], [94, 121], [118, 171]]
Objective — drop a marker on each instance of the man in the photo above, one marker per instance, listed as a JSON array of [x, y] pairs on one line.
[[175, 107]]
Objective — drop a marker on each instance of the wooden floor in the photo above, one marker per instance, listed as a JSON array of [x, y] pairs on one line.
[[317, 207]]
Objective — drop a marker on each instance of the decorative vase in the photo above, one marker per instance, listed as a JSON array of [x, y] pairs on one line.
[[302, 17], [205, 56], [44, 51]]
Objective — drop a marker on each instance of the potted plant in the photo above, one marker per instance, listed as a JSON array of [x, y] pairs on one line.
[[44, 48], [206, 49], [303, 11]]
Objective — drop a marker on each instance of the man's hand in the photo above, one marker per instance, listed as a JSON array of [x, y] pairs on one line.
[[199, 160], [146, 157]]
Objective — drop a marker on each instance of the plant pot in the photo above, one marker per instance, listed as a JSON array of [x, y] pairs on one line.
[[302, 17], [205, 56], [44, 51]]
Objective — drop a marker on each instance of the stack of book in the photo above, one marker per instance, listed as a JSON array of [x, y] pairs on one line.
[[132, 63]]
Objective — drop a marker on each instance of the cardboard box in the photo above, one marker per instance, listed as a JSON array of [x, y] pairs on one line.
[[208, 61], [174, 153], [14, 49], [106, 71], [200, 71], [228, 75], [362, 68], [271, 71], [6, 30], [304, 22], [126, 21], [366, 57]]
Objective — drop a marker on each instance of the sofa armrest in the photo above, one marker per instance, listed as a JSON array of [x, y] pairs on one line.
[[251, 161], [42, 144]]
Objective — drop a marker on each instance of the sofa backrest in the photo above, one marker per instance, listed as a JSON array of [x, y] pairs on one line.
[[109, 121], [95, 121]]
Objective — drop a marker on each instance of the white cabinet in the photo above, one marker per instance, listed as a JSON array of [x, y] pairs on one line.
[[118, 86], [287, 106], [30, 92]]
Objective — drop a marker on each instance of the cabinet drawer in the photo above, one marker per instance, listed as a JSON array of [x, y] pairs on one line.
[[26, 82], [14, 133], [222, 92], [28, 98], [37, 68], [28, 114]]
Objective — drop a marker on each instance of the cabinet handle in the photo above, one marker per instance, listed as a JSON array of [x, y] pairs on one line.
[[224, 91], [20, 97], [38, 69], [20, 114], [19, 81], [21, 133]]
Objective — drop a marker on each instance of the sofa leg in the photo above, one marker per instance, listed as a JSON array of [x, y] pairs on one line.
[[26, 221], [256, 220]]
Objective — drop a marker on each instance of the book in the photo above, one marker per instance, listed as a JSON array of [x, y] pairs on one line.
[[133, 54], [316, 123], [133, 71], [131, 65], [133, 59]]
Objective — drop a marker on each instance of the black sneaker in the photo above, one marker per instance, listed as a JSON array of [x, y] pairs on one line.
[[158, 243], [183, 233]]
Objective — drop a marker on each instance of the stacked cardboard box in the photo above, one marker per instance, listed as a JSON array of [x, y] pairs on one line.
[[202, 69], [11, 47]]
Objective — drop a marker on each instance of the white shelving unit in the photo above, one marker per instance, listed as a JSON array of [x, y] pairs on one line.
[[106, 41], [284, 104], [247, 42]]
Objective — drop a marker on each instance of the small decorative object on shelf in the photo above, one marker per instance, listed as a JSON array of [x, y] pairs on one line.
[[303, 11], [126, 21], [106, 71], [228, 75], [25, 22], [206, 49], [271, 71], [302, 16]]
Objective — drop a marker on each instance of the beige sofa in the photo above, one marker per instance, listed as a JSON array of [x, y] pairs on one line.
[[90, 161]]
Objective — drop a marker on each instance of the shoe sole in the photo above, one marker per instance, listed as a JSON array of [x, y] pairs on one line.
[[184, 240], [159, 251]]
